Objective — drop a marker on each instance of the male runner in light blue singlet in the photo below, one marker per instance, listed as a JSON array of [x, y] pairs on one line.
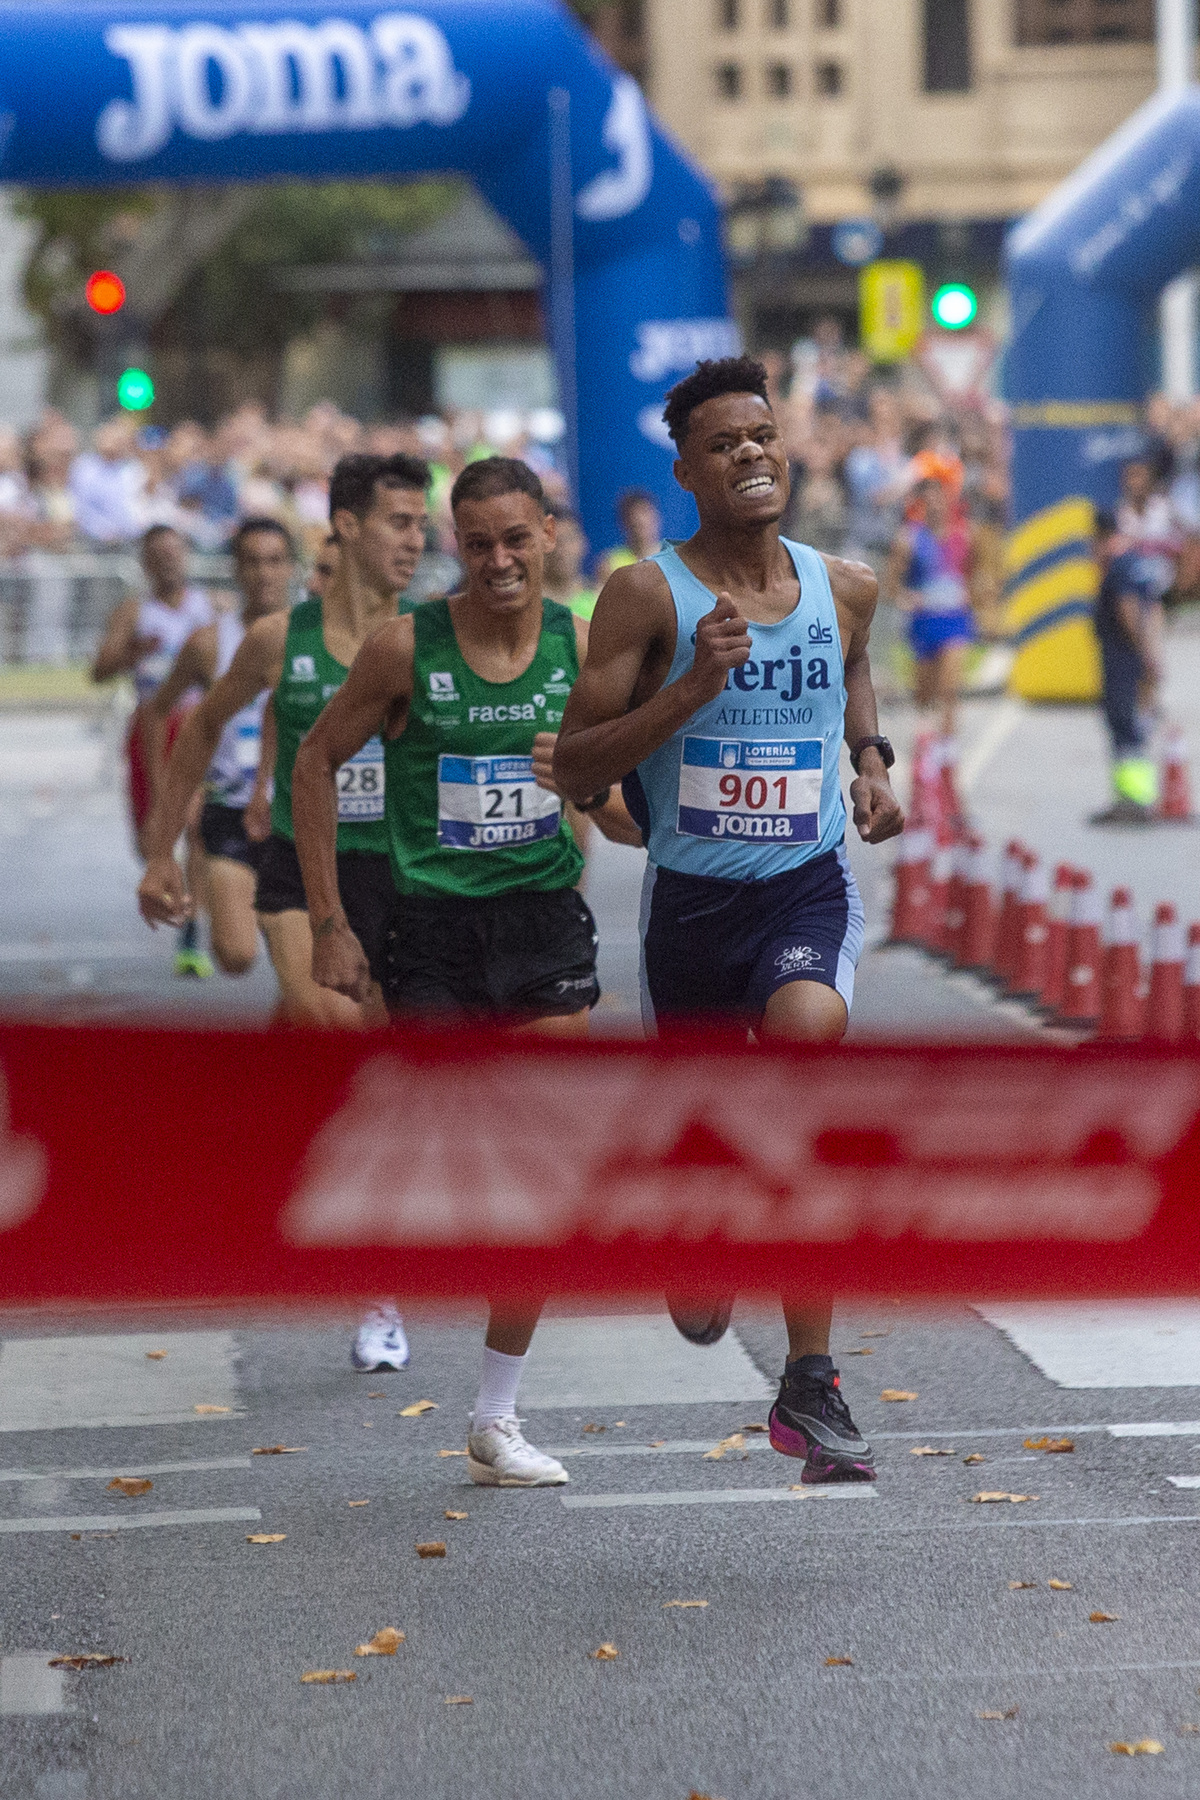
[[721, 677]]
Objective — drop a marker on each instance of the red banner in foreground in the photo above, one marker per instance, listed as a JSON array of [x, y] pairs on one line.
[[156, 1166]]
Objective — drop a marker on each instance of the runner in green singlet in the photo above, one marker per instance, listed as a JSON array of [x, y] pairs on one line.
[[468, 695]]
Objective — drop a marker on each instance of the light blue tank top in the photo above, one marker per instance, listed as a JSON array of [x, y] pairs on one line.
[[750, 786], [231, 773]]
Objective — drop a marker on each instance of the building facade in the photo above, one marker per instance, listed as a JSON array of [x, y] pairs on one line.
[[944, 120]]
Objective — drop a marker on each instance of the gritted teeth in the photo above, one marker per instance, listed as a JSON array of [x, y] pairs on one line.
[[756, 483]]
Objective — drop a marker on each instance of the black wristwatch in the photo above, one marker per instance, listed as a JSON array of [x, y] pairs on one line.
[[881, 744]]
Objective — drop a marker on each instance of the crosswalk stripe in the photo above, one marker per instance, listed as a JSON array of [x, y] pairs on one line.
[[203, 1515], [29, 1687], [719, 1496], [170, 1468]]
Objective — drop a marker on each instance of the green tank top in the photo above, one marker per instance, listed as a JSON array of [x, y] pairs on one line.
[[464, 814], [310, 677]]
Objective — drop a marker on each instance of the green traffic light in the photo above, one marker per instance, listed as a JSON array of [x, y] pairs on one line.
[[954, 305], [135, 390]]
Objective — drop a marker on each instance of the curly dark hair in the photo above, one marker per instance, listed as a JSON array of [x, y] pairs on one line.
[[730, 375]]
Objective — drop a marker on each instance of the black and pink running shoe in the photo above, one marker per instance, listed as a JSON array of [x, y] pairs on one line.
[[810, 1419]]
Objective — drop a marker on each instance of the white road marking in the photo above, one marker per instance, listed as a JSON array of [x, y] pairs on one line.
[[1184, 1481], [173, 1468], [1002, 722], [202, 1515], [634, 1360], [1107, 1344], [849, 1490], [1001, 1675], [83, 950], [30, 1687], [1156, 1428], [49, 1384]]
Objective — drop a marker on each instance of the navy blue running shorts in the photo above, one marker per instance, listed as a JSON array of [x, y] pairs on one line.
[[712, 948]]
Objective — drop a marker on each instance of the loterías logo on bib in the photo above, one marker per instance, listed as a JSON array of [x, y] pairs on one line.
[[279, 76]]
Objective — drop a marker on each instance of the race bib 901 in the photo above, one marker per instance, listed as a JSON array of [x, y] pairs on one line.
[[492, 802], [360, 785], [768, 790]]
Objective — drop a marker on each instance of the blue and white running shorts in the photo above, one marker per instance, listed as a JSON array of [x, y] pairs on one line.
[[716, 948]]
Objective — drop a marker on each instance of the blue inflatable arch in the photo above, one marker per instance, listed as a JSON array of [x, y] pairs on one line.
[[1083, 272], [513, 94]]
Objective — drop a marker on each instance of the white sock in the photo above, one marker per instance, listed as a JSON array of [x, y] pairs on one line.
[[498, 1384]]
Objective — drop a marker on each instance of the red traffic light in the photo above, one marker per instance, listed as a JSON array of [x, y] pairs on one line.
[[105, 291]]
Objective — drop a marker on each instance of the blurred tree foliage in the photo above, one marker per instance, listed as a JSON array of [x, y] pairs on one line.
[[233, 297]]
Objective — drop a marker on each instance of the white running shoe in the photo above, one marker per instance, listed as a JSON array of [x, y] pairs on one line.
[[498, 1456], [380, 1342]]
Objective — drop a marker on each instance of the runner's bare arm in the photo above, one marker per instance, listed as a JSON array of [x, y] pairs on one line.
[[895, 574], [256, 820], [605, 731], [877, 814], [162, 894], [193, 667], [120, 647], [374, 697]]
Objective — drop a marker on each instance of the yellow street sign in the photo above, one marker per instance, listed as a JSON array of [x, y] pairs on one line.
[[891, 305]]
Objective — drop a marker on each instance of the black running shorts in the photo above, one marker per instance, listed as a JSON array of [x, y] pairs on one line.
[[513, 956], [223, 833], [365, 884]]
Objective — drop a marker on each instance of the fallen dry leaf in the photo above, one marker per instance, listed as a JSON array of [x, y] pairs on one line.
[[1185, 1729], [973, 1458], [619, 1425], [1010, 1714], [452, 1453], [155, 1355], [1063, 1446], [358, 1503], [384, 1643], [1062, 1587], [928, 1450], [1103, 1618], [886, 1333], [1143, 1747], [454, 1515], [657, 1443], [432, 1549], [735, 1442], [379, 1396], [1016, 1499], [129, 1485], [755, 1427], [280, 1450], [683, 1603], [86, 1659], [1022, 1584], [606, 1653], [459, 1700], [898, 1394], [326, 1676], [591, 1426], [839, 1662], [417, 1408], [266, 1537], [368, 1425], [204, 1407], [865, 1351]]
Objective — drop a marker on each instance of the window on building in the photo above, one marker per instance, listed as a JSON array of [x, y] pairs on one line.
[[829, 79], [729, 81], [779, 14], [779, 80], [947, 47], [729, 14], [1085, 21], [829, 14]]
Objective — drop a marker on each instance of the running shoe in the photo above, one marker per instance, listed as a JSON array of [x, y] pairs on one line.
[[380, 1342], [498, 1456], [193, 964], [810, 1419], [701, 1324]]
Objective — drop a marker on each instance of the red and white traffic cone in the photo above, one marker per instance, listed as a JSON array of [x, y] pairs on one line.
[[956, 902], [1164, 1008], [1191, 985], [951, 805], [910, 903], [1081, 988], [941, 869], [1175, 786], [1122, 1007], [977, 945], [1029, 975], [1057, 914], [925, 807], [1011, 875]]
